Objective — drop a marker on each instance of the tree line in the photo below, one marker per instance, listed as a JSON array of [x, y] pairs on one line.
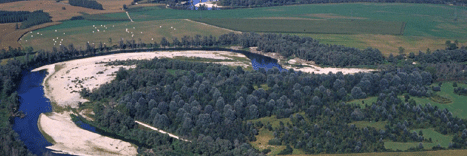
[[92, 4], [26, 18]]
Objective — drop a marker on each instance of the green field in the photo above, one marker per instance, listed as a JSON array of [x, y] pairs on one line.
[[437, 138], [422, 19], [427, 26], [458, 106], [377, 125], [309, 26]]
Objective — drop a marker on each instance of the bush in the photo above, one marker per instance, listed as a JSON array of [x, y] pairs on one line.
[[287, 150], [92, 4], [266, 151], [275, 141]]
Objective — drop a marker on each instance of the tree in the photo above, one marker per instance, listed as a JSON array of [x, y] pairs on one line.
[[401, 50], [254, 113], [164, 42], [357, 93]]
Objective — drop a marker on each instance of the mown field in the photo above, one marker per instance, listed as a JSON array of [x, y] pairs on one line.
[[79, 32], [309, 26]]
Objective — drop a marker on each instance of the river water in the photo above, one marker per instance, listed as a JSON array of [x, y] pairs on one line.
[[33, 103]]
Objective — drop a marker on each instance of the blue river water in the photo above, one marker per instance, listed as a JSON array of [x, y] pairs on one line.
[[33, 103]]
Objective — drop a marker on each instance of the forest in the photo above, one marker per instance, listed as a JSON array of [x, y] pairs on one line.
[[26, 18], [212, 101], [92, 4]]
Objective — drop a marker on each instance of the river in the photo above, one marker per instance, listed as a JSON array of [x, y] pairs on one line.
[[33, 103]]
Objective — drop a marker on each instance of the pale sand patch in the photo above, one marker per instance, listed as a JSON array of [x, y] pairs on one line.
[[161, 131], [319, 70], [310, 66], [62, 86], [71, 139], [208, 4]]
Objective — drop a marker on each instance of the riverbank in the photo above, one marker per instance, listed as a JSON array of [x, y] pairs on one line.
[[308, 66], [71, 139], [64, 81]]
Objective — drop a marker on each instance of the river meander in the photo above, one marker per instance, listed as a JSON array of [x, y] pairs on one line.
[[33, 103]]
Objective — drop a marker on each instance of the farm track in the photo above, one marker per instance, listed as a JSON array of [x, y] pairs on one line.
[[214, 26], [161, 131]]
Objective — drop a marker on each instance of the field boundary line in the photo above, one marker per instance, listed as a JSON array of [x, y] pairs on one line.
[[214, 26], [129, 16], [403, 28]]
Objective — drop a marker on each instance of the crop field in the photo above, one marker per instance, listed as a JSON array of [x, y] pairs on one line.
[[426, 25], [79, 32], [309, 26], [56, 9], [421, 19], [9, 36]]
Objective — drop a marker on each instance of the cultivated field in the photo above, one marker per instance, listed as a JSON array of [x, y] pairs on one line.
[[309, 26], [58, 14], [425, 28], [9, 36], [79, 32], [56, 11]]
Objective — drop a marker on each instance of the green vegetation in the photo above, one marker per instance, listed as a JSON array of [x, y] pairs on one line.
[[79, 32], [437, 138], [364, 102], [264, 86], [103, 17], [264, 135], [457, 106], [309, 26], [421, 19], [377, 125]]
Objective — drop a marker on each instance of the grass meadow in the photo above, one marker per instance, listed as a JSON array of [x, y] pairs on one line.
[[79, 32]]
